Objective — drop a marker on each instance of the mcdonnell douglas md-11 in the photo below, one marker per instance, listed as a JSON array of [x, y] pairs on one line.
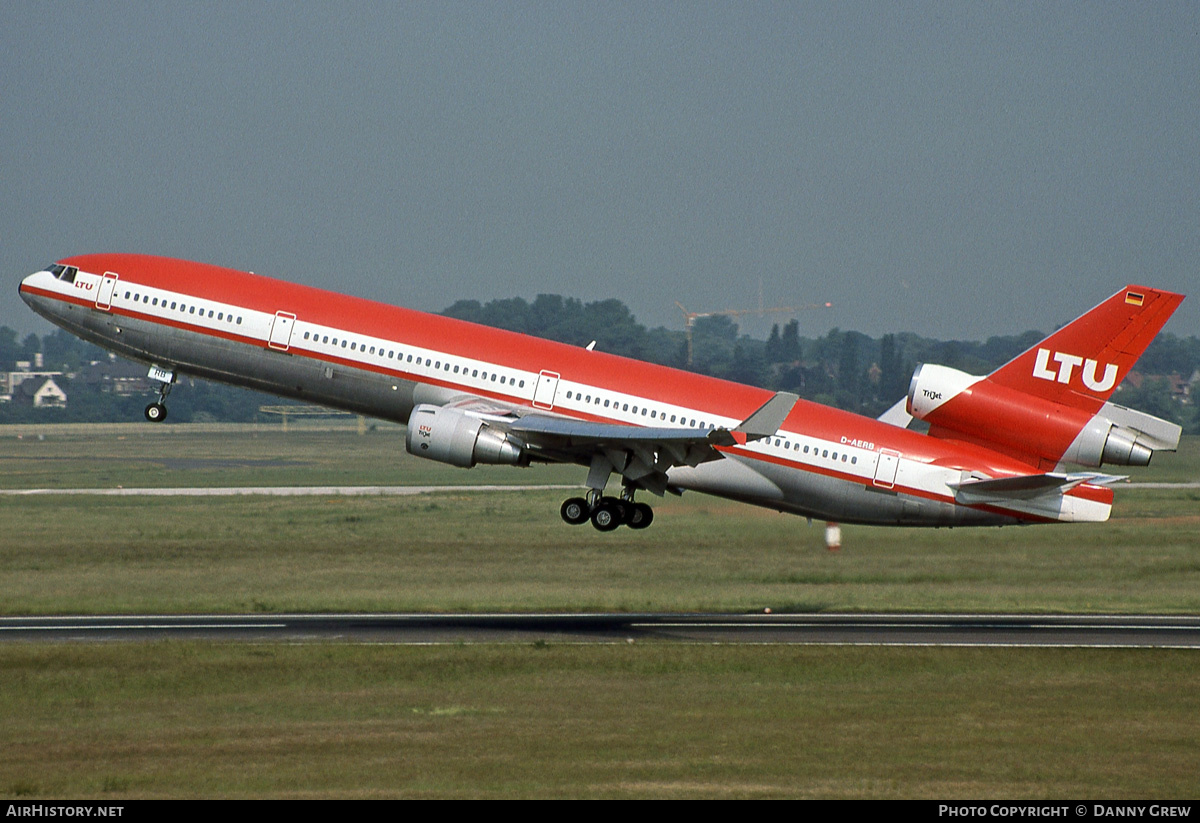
[[1017, 446]]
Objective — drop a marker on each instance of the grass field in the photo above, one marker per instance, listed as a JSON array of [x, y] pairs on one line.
[[488, 551], [647, 720], [551, 720]]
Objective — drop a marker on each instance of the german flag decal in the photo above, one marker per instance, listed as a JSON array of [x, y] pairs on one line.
[[1134, 298]]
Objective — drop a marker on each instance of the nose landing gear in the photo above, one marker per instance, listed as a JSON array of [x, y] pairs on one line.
[[157, 412]]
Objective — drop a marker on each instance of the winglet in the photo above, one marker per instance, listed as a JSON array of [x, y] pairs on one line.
[[769, 417]]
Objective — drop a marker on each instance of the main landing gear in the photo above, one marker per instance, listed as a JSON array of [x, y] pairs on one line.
[[157, 412], [607, 513]]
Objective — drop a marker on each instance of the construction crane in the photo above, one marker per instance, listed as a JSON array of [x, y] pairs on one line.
[[689, 317]]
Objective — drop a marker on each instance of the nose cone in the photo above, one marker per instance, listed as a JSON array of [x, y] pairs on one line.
[[33, 288], [24, 288]]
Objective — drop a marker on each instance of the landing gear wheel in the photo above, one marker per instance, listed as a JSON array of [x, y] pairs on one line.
[[619, 505], [606, 517], [575, 510], [156, 412], [639, 516]]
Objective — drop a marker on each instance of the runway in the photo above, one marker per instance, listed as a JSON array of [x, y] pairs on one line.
[[359, 491], [1093, 631], [281, 491]]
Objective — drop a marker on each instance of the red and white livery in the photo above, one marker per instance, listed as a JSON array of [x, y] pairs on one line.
[[998, 449]]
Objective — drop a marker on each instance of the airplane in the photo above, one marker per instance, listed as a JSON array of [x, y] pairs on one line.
[[959, 450]]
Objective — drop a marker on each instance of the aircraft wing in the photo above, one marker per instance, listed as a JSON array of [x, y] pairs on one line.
[[642, 454]]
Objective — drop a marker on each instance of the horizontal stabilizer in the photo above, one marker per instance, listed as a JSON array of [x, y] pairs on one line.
[[1026, 486], [897, 415]]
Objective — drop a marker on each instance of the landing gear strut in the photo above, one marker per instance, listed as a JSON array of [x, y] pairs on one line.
[[157, 412]]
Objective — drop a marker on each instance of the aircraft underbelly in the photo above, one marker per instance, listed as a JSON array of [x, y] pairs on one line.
[[243, 364]]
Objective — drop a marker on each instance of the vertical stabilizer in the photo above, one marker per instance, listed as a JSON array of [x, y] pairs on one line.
[[1081, 364]]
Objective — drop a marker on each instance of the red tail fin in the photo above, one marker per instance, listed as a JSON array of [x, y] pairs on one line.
[[1083, 362]]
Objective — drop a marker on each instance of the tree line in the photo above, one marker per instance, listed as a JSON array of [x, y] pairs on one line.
[[846, 369]]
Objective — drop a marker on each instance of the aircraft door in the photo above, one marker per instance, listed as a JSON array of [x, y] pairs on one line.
[[281, 331], [104, 294], [544, 392], [885, 469]]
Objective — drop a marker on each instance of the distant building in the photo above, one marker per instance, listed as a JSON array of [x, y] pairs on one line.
[[119, 377], [12, 383], [41, 393]]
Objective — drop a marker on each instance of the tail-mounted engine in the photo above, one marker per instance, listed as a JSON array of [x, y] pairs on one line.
[[1025, 424], [454, 437]]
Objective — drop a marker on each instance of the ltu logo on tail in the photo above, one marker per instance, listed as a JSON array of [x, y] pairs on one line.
[[1067, 364]]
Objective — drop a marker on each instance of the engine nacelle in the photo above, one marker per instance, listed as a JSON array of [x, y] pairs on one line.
[[1024, 423], [454, 437]]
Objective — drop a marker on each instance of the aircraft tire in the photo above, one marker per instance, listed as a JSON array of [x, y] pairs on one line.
[[575, 511], [606, 517], [156, 412], [619, 505], [640, 516]]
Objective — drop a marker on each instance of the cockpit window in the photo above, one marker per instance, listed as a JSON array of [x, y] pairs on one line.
[[65, 273]]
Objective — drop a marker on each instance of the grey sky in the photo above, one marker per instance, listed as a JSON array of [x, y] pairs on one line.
[[953, 169]]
